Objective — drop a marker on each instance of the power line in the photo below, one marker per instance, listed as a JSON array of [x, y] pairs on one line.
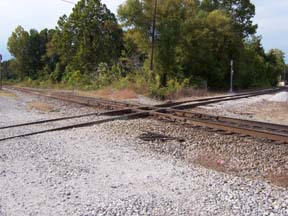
[[70, 2]]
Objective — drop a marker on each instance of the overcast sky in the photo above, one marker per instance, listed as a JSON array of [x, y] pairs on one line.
[[271, 16]]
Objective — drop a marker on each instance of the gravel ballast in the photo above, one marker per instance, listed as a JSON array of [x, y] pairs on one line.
[[271, 108], [107, 170]]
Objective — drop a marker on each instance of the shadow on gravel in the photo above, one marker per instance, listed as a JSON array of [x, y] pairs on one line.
[[151, 137]]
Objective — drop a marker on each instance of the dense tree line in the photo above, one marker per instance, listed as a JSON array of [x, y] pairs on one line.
[[195, 42]]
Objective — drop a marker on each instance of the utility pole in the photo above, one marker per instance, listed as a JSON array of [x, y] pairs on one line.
[[0, 72], [153, 37], [231, 76], [284, 73]]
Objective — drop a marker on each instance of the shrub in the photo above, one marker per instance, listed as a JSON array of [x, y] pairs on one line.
[[107, 76], [74, 79]]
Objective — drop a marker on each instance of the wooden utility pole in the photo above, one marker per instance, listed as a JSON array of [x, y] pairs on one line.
[[284, 72], [0, 72], [153, 36], [0, 77]]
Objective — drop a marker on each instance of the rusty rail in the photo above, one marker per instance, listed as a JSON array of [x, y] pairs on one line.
[[172, 112]]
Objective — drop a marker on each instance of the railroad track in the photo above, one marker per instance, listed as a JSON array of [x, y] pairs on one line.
[[82, 100], [52, 128], [274, 132], [112, 104], [169, 111], [187, 104]]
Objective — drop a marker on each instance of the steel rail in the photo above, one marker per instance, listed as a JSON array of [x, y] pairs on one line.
[[193, 104], [224, 126], [252, 128], [68, 97], [114, 112], [233, 96], [91, 101], [86, 124], [209, 117], [174, 117]]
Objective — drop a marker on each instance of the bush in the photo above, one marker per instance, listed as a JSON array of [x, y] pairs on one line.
[[173, 86], [144, 81], [75, 79], [107, 76]]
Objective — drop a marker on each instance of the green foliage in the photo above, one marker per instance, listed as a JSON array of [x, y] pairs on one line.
[[173, 86], [89, 36], [7, 69], [195, 42], [275, 66], [28, 49], [145, 82], [198, 39], [73, 78], [107, 76], [56, 75], [18, 47], [242, 13]]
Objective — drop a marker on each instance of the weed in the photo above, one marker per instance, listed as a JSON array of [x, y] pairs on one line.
[[40, 107]]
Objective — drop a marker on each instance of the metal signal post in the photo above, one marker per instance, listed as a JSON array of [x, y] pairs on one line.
[[231, 75]]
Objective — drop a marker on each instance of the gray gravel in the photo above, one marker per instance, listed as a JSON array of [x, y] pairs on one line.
[[11, 109], [271, 108], [107, 170], [243, 156]]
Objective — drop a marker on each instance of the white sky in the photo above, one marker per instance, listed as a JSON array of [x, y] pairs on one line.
[[272, 19], [271, 16], [37, 14]]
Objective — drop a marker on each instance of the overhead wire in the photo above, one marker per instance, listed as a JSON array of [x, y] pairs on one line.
[[70, 2]]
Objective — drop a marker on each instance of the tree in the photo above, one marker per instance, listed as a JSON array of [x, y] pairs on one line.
[[190, 43], [195, 40], [28, 49], [251, 68], [51, 58], [137, 17], [89, 36], [36, 49], [275, 65], [242, 12], [205, 48], [8, 73], [18, 47]]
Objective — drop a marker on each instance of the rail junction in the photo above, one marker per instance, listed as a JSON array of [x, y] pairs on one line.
[[172, 112]]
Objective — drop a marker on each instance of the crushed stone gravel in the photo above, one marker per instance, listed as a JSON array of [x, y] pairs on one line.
[[106, 170], [268, 108], [280, 97]]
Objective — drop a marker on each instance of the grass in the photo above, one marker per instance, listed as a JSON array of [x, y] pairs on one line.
[[128, 88], [192, 93], [6, 94], [40, 106], [110, 93]]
